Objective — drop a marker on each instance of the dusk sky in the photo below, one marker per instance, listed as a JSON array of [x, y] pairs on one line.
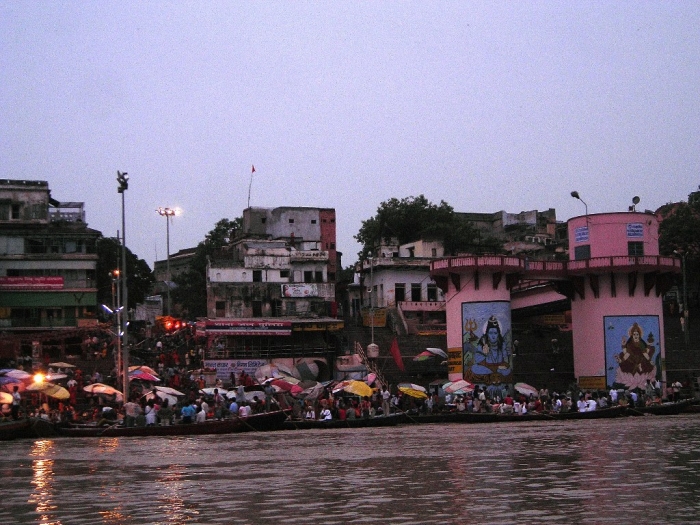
[[486, 105]]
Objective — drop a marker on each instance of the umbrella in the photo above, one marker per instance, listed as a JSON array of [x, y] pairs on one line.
[[5, 398], [413, 390], [15, 373], [101, 388], [168, 391], [143, 368], [275, 370], [359, 388], [61, 364], [308, 370], [424, 356], [55, 377], [49, 389], [210, 391], [280, 385], [458, 387], [311, 389], [7, 383], [172, 400], [143, 376], [526, 389], [437, 351]]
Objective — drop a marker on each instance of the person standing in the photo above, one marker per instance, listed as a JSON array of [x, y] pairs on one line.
[[16, 402], [386, 396]]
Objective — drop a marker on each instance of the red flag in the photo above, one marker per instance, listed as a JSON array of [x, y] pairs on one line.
[[253, 171], [396, 354]]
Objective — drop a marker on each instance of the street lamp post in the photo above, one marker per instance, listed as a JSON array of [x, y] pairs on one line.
[[167, 213], [575, 195], [123, 181]]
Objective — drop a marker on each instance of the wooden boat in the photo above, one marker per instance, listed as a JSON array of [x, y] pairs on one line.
[[496, 417], [32, 427], [663, 409], [601, 413], [475, 417], [379, 421], [254, 423], [15, 429]]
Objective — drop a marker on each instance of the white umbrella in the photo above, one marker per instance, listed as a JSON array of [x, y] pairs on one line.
[[437, 351], [169, 391]]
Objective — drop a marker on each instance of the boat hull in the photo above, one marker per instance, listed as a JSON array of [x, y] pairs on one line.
[[255, 423]]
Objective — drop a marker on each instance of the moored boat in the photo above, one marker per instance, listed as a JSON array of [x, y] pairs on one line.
[[32, 427], [254, 423], [663, 409], [379, 421]]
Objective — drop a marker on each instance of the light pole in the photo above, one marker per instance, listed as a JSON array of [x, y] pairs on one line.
[[123, 181], [372, 349], [575, 195], [167, 213], [685, 298]]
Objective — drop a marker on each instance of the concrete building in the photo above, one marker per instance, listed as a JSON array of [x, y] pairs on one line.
[[614, 283], [47, 260], [271, 292]]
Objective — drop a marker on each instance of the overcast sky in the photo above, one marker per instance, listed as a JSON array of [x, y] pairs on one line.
[[486, 105]]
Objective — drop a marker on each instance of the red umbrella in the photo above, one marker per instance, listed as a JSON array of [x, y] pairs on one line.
[[285, 386]]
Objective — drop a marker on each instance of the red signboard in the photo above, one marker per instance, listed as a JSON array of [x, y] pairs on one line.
[[247, 327], [31, 283]]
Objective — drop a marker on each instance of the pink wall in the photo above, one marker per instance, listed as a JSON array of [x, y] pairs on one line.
[[609, 233], [467, 294], [588, 326]]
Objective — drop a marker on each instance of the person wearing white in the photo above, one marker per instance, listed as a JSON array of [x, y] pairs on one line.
[[326, 414]]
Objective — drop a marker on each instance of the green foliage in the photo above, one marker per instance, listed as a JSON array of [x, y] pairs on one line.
[[414, 218], [191, 291], [139, 275]]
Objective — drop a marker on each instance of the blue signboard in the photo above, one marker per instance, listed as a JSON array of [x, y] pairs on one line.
[[581, 234], [635, 230]]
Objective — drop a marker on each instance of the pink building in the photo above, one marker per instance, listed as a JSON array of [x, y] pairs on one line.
[[615, 280]]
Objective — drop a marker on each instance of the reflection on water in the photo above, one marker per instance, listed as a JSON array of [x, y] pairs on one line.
[[628, 470]]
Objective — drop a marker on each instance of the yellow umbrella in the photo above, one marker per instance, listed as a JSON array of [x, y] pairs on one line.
[[50, 390], [413, 390], [5, 398], [359, 388]]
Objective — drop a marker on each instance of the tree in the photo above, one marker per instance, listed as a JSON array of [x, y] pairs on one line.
[[679, 235], [415, 218], [139, 275], [191, 291]]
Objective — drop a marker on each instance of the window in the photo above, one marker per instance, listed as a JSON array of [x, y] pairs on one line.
[[319, 277], [415, 292], [220, 308], [313, 221], [582, 252], [432, 292], [635, 249], [263, 220], [433, 252], [332, 246], [284, 274], [308, 277], [257, 276], [412, 251], [257, 308], [399, 292], [15, 211], [291, 221]]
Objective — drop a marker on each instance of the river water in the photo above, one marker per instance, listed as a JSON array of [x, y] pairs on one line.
[[627, 470]]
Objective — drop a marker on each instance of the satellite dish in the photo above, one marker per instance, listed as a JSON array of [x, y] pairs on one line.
[[635, 200]]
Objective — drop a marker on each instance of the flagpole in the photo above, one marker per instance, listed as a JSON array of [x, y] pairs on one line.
[[252, 170]]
